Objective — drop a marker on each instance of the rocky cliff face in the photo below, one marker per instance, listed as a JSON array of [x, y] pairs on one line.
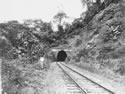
[[107, 30], [104, 44]]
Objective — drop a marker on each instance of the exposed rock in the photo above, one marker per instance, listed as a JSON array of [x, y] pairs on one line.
[[103, 38]]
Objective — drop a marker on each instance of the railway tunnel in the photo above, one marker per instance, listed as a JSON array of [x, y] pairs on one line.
[[61, 55]]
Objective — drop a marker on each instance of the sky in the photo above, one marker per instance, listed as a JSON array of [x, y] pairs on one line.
[[38, 9]]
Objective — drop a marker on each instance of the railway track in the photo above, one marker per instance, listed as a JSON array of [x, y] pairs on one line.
[[86, 85], [72, 86]]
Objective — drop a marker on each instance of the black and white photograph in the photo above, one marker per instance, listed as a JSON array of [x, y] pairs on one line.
[[62, 46]]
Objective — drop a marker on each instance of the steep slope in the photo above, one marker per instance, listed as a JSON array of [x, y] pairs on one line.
[[101, 42], [100, 47]]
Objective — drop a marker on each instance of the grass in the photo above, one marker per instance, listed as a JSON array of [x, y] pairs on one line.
[[112, 69], [18, 77]]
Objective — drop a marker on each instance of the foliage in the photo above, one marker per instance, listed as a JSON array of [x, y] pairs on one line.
[[94, 7], [12, 79], [92, 10], [83, 53], [20, 78], [59, 16], [78, 42], [20, 39], [120, 68]]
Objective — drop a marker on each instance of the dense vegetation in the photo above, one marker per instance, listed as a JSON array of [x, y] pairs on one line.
[[102, 35], [21, 46], [100, 41]]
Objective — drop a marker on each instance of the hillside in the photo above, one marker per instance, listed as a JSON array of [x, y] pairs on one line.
[[100, 46], [96, 39]]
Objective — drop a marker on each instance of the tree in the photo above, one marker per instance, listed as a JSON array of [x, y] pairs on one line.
[[33, 23], [93, 7], [59, 16], [87, 2]]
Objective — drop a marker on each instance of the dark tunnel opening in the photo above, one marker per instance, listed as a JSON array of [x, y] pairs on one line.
[[61, 56]]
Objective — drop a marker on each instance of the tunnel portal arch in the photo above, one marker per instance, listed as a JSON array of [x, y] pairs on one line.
[[61, 55]]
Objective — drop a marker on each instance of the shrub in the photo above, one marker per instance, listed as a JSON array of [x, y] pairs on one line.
[[77, 59], [12, 78], [83, 53], [120, 69], [78, 42]]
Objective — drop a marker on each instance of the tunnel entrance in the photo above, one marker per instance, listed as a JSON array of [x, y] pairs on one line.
[[61, 56]]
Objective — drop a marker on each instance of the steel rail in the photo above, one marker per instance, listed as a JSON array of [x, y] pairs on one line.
[[72, 79], [88, 79]]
